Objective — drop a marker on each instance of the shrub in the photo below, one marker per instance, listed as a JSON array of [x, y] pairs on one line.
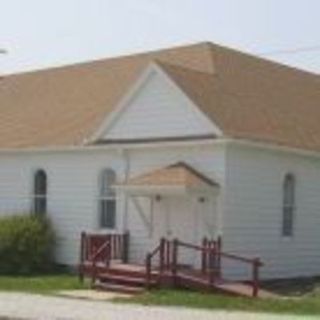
[[26, 244]]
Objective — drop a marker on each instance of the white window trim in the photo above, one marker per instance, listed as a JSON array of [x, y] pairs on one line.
[[289, 205], [101, 198], [34, 195]]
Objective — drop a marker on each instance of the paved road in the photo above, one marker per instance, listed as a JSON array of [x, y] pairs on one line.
[[27, 306]]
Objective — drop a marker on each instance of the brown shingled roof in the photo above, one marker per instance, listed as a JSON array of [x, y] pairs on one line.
[[178, 174], [246, 97], [249, 98]]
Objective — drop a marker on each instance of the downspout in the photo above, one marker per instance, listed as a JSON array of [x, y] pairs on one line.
[[126, 159]]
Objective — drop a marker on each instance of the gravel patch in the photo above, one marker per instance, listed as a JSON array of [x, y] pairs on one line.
[[92, 295]]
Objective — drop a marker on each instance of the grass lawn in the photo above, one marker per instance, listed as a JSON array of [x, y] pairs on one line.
[[301, 297], [297, 297], [40, 284]]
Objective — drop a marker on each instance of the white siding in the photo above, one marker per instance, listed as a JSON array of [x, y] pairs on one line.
[[73, 188], [15, 187], [253, 211], [159, 109], [250, 199], [72, 191], [207, 159]]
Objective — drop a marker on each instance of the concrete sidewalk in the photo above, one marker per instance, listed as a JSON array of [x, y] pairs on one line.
[[31, 306]]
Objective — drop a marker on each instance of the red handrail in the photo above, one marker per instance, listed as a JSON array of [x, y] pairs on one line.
[[211, 253], [215, 254], [237, 257], [163, 250], [149, 264], [103, 248], [255, 263], [91, 242], [94, 258]]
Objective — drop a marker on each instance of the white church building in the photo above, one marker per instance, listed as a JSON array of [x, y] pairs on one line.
[[186, 142]]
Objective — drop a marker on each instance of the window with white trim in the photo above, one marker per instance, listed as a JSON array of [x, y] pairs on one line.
[[107, 200], [40, 192], [288, 209]]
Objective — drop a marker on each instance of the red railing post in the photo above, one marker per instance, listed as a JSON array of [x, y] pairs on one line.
[[160, 249], [82, 256], [94, 273], [211, 265], [255, 277], [162, 255], [125, 247], [108, 251], [82, 249], [148, 270], [204, 255], [174, 265], [167, 254], [218, 255]]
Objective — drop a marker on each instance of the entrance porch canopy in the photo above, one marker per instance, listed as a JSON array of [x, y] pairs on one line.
[[176, 179]]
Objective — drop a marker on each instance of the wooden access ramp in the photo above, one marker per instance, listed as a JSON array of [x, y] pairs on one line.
[[104, 260], [231, 288], [131, 279]]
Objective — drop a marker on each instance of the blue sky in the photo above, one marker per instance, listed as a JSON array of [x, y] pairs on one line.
[[41, 33]]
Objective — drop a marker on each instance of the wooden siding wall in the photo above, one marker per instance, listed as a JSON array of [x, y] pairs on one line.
[[73, 188], [251, 200], [253, 211], [158, 109], [207, 159], [72, 191]]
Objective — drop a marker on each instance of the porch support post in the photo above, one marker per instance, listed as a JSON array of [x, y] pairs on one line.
[[125, 197], [220, 199]]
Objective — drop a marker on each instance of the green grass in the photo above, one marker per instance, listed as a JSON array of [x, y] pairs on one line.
[[40, 284], [308, 305], [303, 299]]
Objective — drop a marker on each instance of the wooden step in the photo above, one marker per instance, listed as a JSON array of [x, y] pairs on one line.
[[87, 268], [130, 272], [124, 279], [118, 288]]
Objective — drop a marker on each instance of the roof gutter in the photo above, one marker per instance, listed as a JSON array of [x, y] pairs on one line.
[[271, 147], [168, 143], [116, 146]]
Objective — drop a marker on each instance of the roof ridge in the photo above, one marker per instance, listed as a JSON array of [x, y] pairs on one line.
[[107, 58], [165, 65], [213, 47]]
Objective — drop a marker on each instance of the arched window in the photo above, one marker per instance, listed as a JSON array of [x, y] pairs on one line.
[[107, 201], [288, 205], [40, 192]]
